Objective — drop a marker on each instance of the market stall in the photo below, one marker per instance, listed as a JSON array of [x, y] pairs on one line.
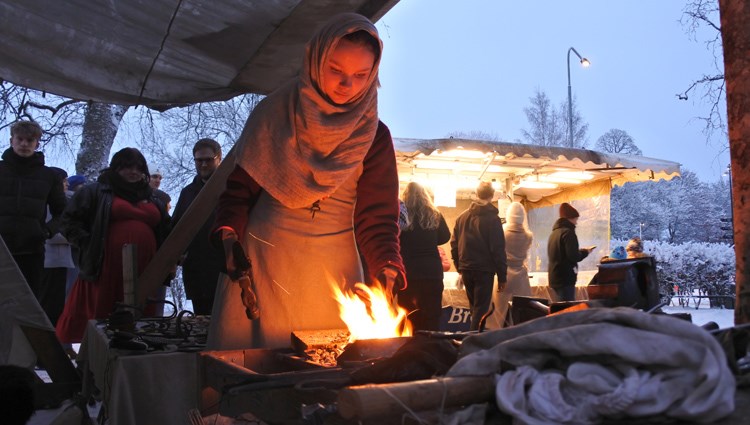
[[541, 178]]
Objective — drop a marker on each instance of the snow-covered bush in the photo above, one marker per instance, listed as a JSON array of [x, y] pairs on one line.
[[691, 267]]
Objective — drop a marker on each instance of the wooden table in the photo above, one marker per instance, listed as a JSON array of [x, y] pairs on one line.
[[138, 388]]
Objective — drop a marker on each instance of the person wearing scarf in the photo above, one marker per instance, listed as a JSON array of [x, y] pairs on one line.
[[119, 208], [314, 189]]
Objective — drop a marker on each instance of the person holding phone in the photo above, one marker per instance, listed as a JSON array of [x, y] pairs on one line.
[[564, 254]]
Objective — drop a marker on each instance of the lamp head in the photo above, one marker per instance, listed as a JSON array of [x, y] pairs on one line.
[[585, 62]]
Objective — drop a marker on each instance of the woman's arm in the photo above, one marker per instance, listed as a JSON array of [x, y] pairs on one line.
[[376, 211], [235, 203]]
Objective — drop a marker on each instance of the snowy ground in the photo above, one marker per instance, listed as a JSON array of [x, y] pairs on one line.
[[702, 315]]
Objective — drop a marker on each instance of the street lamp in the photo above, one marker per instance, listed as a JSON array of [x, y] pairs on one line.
[[640, 231], [585, 63]]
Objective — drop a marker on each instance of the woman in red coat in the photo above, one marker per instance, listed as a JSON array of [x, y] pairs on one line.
[[119, 208]]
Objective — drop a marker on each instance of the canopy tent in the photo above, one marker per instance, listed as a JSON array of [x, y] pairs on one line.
[[539, 175], [161, 53]]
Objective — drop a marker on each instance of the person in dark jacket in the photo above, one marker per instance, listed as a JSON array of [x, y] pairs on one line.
[[119, 208], [564, 254], [202, 263], [27, 189], [426, 230], [478, 251]]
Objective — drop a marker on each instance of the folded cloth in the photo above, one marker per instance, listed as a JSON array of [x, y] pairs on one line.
[[588, 365]]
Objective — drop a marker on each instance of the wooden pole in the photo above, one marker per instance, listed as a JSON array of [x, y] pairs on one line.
[[379, 400], [735, 33], [178, 240], [129, 272]]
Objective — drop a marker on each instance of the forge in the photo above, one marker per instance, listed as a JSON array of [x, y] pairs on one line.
[[331, 347]]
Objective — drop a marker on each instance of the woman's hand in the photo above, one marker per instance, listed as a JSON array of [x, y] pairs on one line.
[[228, 242], [387, 278], [392, 279]]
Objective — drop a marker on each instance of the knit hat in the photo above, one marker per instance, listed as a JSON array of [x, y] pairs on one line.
[[635, 245], [515, 214], [618, 253], [75, 181], [567, 211]]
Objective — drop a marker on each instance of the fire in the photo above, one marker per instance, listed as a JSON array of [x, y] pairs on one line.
[[381, 320]]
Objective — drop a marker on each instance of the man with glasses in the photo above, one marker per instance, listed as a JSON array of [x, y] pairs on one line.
[[202, 263]]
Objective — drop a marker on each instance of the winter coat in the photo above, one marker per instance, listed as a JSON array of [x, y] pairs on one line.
[[201, 258], [85, 223], [517, 244], [419, 250], [478, 243], [563, 254], [27, 188]]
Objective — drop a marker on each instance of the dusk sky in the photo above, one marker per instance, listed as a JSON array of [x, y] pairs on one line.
[[472, 65]]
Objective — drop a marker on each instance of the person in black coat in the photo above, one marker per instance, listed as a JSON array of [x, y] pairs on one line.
[[478, 251], [564, 254], [202, 262], [419, 240], [27, 189]]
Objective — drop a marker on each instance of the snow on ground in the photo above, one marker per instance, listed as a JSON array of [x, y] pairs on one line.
[[703, 314]]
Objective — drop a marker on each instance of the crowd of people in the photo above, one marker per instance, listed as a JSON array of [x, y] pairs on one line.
[[337, 191], [82, 228], [66, 235]]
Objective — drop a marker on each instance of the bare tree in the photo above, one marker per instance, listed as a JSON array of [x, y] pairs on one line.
[[474, 135], [72, 128], [580, 127], [736, 44], [710, 87], [617, 141], [547, 128], [61, 118], [167, 138], [100, 126]]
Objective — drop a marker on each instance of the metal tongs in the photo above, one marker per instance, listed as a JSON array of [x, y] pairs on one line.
[[243, 276]]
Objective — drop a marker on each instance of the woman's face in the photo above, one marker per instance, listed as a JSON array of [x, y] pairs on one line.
[[346, 71], [131, 174]]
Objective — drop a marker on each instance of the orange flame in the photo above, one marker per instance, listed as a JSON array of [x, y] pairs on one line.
[[380, 320]]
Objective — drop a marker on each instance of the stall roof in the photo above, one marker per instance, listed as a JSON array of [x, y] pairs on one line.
[[161, 53], [526, 166]]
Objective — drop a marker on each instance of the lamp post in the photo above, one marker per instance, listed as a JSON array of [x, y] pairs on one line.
[[585, 63], [640, 231]]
